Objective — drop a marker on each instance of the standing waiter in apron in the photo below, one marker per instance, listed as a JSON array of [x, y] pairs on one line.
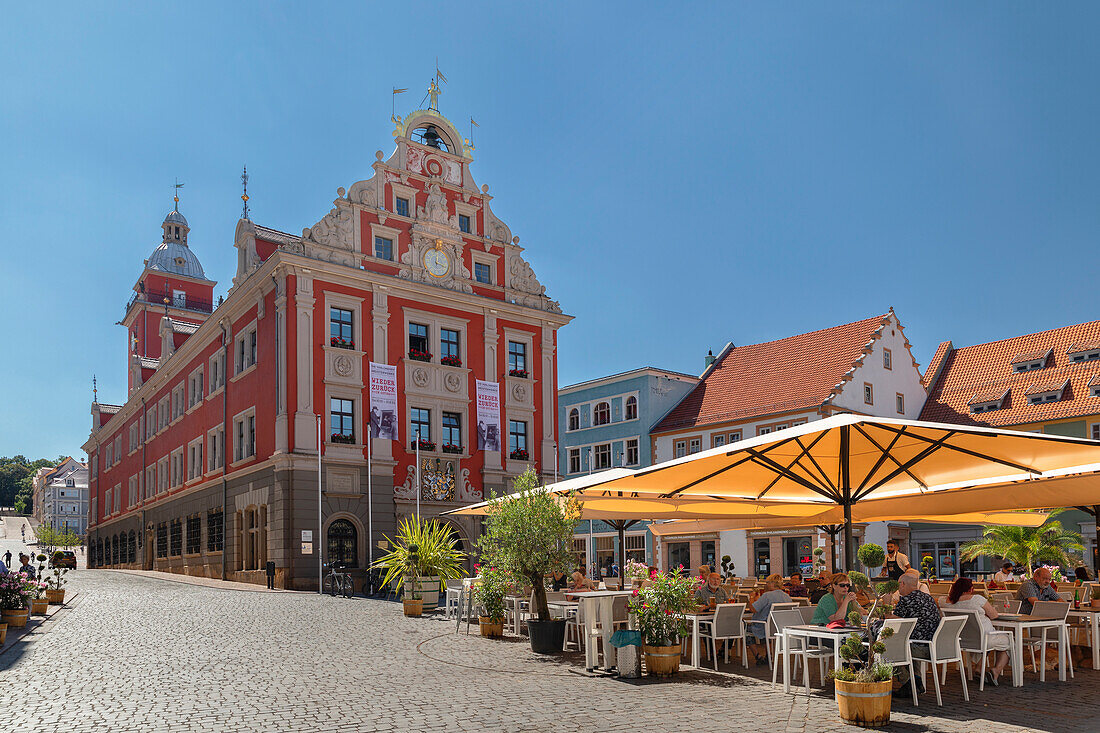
[[896, 563]]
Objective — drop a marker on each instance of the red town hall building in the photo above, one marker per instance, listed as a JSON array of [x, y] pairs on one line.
[[210, 466]]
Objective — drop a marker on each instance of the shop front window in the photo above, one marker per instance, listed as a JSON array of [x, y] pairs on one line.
[[679, 553], [762, 558]]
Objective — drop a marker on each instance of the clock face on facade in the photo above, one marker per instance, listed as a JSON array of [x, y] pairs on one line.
[[437, 263]]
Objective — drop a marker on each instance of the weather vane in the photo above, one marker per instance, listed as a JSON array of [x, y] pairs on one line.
[[176, 196], [434, 89], [95, 392], [244, 196]]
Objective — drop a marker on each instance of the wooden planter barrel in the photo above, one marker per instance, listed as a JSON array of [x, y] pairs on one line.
[[491, 627], [39, 606], [3, 633], [866, 704], [16, 619], [662, 661], [56, 597], [413, 607]]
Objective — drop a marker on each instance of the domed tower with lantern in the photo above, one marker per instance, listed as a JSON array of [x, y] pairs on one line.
[[171, 298]]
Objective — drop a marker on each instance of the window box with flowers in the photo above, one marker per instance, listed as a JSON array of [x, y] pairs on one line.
[[423, 444], [521, 373], [340, 343], [418, 355], [452, 448], [342, 438], [519, 455], [451, 361]]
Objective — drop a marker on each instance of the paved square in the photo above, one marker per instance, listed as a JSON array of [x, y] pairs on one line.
[[143, 653]]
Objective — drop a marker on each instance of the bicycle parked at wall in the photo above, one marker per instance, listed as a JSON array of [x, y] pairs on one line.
[[337, 582]]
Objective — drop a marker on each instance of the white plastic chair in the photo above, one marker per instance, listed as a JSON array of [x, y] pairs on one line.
[[1050, 609], [725, 626], [943, 649], [769, 625], [452, 598], [898, 652], [800, 649], [974, 639]]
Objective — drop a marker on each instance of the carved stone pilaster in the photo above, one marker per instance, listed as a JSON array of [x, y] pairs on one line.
[[549, 379], [304, 421]]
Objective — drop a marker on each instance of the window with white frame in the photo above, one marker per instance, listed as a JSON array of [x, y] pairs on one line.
[[868, 393], [216, 450], [763, 430], [602, 456], [109, 455], [246, 348], [118, 498], [483, 273], [107, 501], [695, 445], [151, 422], [517, 440], [178, 467], [163, 475], [132, 491], [574, 419], [574, 460], [94, 460], [194, 459], [632, 452], [178, 397], [195, 391], [517, 358], [244, 436], [717, 441], [217, 371], [679, 449], [118, 449], [134, 438], [342, 420], [1080, 355], [150, 482], [383, 248], [899, 403], [631, 408], [341, 327], [887, 359], [601, 414], [163, 413]]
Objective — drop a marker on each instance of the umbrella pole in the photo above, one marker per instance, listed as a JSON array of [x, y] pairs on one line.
[[622, 553], [1096, 544], [849, 544]]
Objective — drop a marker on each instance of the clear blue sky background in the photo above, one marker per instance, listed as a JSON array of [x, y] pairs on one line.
[[681, 175]]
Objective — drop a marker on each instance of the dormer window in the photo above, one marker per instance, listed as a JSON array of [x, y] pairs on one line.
[[1094, 386], [1030, 361], [1039, 394], [1081, 353], [988, 400]]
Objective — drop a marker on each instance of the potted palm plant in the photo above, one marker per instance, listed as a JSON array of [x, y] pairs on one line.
[[529, 535], [660, 610], [422, 557], [863, 688], [489, 594]]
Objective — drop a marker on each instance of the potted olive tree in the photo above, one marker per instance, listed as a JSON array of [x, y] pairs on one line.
[[872, 556], [529, 535], [489, 594]]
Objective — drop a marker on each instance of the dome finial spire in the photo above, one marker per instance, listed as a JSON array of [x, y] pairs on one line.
[[244, 195], [176, 197]]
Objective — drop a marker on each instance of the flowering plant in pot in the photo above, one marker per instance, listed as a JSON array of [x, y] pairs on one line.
[[660, 610], [636, 571], [451, 361], [418, 355], [342, 438], [55, 591], [452, 448], [341, 343], [16, 593], [517, 373], [422, 443], [864, 680], [529, 535], [489, 594], [519, 454]]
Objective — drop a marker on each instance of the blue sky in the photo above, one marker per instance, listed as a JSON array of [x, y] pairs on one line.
[[682, 175]]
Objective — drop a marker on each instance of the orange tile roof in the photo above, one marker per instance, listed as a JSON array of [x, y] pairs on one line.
[[982, 368], [1083, 346], [1095, 380], [1031, 356], [794, 373], [993, 394], [1044, 387]]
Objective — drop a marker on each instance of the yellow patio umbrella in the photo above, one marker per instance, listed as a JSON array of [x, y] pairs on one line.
[[847, 459], [700, 526]]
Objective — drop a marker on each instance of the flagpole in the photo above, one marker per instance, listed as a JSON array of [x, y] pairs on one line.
[[370, 510], [320, 517], [418, 474]]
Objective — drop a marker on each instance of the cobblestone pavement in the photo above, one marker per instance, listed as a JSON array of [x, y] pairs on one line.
[[138, 653]]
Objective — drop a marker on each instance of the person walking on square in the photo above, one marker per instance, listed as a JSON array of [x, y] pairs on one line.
[[7, 558]]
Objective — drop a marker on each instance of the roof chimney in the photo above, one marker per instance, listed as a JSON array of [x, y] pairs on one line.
[[708, 359]]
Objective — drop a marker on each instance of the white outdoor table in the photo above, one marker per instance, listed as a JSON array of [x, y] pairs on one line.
[[598, 606], [1017, 624], [695, 619], [808, 632], [1092, 615], [564, 606]]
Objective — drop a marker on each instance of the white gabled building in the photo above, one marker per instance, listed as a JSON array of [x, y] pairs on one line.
[[60, 496], [865, 367]]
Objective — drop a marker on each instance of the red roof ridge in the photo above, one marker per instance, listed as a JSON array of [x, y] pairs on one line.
[[1026, 335]]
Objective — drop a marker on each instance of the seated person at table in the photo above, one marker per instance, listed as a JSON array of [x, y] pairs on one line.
[[794, 587], [558, 580], [580, 582], [760, 606], [1038, 588], [837, 603], [1005, 574], [704, 571], [711, 589], [822, 588], [961, 597], [915, 603], [892, 598], [1080, 574]]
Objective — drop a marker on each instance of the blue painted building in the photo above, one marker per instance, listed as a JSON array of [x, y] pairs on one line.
[[605, 423]]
